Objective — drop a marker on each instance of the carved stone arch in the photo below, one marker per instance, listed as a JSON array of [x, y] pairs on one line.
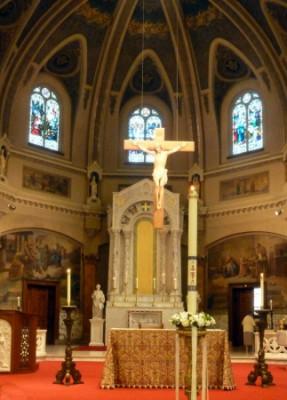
[[148, 55], [275, 13], [222, 50]]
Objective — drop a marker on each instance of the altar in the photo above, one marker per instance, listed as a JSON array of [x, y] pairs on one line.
[[146, 358]]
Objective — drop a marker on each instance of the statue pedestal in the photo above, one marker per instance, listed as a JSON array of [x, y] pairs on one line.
[[97, 330], [41, 342]]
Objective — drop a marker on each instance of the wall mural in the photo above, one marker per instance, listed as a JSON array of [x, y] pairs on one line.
[[45, 182], [244, 186], [37, 255], [241, 259]]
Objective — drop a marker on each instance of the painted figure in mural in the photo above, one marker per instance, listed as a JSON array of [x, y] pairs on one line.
[[229, 267], [243, 266], [261, 259], [98, 302], [249, 326], [3, 160], [159, 171]]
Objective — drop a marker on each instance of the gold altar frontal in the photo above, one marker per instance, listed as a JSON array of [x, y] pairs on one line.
[[146, 358]]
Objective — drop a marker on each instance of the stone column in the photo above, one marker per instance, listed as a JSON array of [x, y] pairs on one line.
[[116, 261], [127, 269], [176, 273], [162, 264]]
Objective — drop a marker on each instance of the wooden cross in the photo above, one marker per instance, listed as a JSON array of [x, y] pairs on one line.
[[160, 149]]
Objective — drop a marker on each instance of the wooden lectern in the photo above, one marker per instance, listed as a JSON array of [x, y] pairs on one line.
[[18, 341]]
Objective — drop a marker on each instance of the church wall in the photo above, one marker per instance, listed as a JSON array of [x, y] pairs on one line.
[[36, 179], [237, 260], [272, 122], [240, 190], [19, 119]]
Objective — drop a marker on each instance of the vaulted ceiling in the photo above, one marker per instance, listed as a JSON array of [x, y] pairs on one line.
[[194, 50]]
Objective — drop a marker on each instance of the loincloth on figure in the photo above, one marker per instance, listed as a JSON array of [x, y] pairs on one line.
[[160, 175]]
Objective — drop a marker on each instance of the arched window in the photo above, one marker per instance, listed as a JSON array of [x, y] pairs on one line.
[[44, 118], [247, 127], [141, 125]]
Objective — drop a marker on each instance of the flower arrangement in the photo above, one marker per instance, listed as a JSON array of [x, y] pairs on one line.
[[186, 319]]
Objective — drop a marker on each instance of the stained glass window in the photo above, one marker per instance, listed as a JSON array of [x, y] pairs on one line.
[[247, 127], [141, 126], [44, 118]]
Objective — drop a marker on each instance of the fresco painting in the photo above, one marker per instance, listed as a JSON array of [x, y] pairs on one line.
[[244, 186], [45, 182], [241, 259], [37, 255]]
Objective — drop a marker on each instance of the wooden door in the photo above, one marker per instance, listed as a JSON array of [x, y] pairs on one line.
[[243, 304], [38, 304], [240, 303], [42, 298]]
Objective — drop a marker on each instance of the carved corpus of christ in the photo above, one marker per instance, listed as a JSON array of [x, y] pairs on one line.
[[160, 149]]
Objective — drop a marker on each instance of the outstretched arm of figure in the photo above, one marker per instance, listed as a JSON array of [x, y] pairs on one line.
[[143, 148], [174, 150]]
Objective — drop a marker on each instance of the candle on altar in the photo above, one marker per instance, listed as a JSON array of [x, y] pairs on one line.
[[175, 283], [262, 290], [154, 283], [18, 302], [271, 305], [163, 278], [114, 282], [68, 286], [137, 282]]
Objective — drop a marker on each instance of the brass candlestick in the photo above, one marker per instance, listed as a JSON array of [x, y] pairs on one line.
[[261, 368], [68, 370]]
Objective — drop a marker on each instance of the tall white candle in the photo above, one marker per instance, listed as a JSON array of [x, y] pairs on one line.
[[114, 282], [18, 302], [68, 287], [154, 283], [262, 290], [192, 251], [271, 305], [192, 281], [163, 278], [137, 282]]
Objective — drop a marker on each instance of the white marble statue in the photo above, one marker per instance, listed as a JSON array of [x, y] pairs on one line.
[[98, 302]]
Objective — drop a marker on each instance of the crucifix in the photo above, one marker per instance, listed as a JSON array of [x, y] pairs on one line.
[[160, 149]]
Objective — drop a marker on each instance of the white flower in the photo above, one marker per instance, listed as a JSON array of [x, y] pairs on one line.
[[186, 319]]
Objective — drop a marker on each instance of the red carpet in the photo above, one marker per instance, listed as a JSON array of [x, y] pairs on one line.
[[39, 385], [90, 348]]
